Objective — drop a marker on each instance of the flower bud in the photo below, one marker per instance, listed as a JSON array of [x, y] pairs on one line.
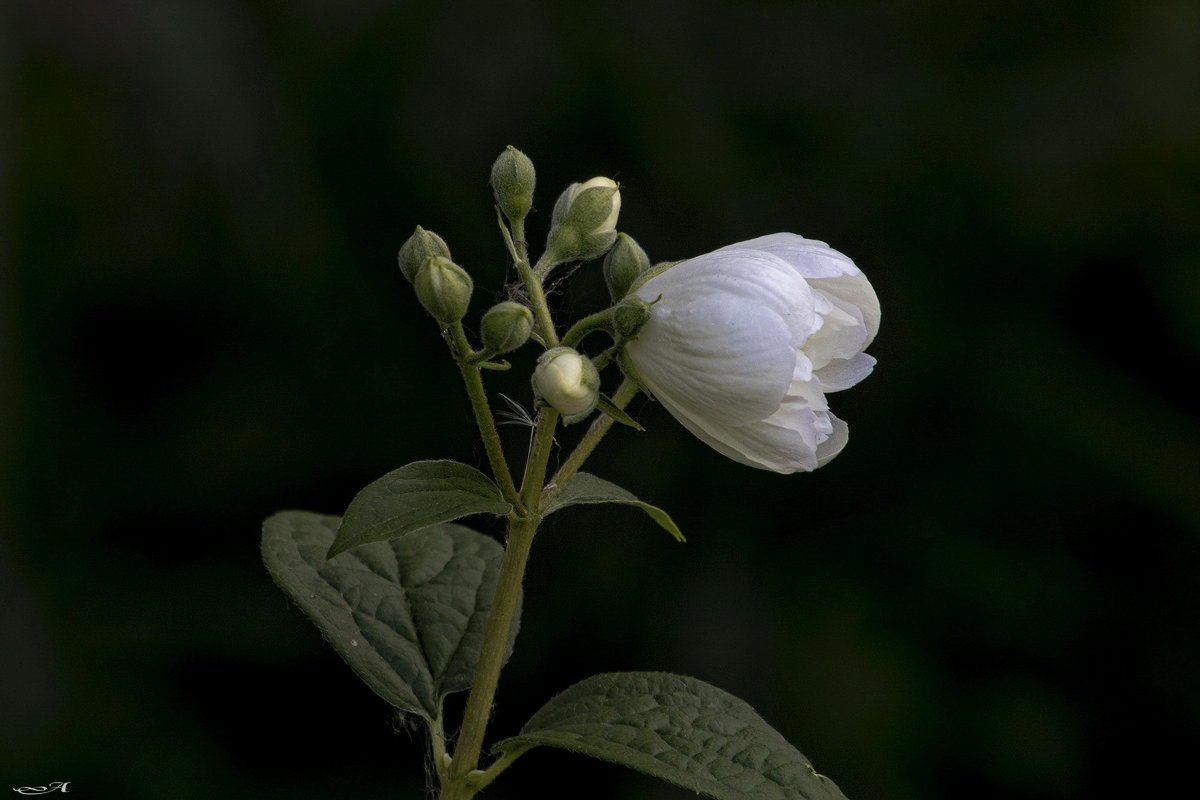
[[513, 178], [623, 264], [444, 289], [584, 222], [505, 327], [418, 249], [568, 382]]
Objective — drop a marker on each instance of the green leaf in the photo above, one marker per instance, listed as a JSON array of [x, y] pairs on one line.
[[609, 408], [416, 495], [679, 729], [585, 488], [407, 615]]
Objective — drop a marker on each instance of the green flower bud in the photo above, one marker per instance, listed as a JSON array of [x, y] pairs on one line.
[[623, 264], [505, 327], [513, 178], [444, 289], [630, 315], [418, 249], [568, 382], [584, 222]]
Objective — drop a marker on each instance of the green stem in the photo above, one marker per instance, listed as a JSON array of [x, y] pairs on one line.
[[599, 321], [544, 265], [537, 300], [483, 417], [519, 250], [437, 738], [463, 779], [491, 659], [482, 779], [599, 427], [461, 783]]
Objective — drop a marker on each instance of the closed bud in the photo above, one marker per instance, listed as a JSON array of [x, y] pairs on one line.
[[625, 262], [513, 178], [444, 289], [584, 222], [505, 327], [568, 382], [419, 248]]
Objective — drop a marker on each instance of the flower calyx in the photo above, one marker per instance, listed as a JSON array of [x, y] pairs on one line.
[[623, 264]]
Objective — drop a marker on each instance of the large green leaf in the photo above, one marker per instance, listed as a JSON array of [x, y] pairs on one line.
[[407, 615], [417, 495], [679, 729], [586, 488]]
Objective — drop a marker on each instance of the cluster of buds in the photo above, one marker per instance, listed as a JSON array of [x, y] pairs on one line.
[[742, 345], [582, 227]]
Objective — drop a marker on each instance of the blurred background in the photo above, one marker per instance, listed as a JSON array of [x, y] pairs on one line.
[[991, 593]]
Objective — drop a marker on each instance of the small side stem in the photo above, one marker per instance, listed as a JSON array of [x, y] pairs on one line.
[[599, 321], [483, 418], [537, 299], [499, 765], [599, 427]]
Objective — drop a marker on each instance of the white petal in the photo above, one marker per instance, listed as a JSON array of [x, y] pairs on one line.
[[841, 335], [834, 444], [787, 441], [843, 373], [809, 257], [828, 271], [754, 276], [721, 358], [761, 444], [855, 295]]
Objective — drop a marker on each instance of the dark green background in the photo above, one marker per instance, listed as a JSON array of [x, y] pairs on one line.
[[991, 593]]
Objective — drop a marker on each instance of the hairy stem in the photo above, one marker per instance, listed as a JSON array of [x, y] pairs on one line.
[[487, 672], [463, 778], [483, 417], [599, 427]]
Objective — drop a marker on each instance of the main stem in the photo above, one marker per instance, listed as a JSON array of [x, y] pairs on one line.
[[487, 673], [522, 529]]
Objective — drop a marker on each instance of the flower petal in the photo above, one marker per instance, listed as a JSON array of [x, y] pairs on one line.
[[834, 444], [842, 373], [720, 358], [787, 441], [828, 271], [809, 257], [743, 343], [755, 277]]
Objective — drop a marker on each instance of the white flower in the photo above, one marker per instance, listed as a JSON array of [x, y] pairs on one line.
[[745, 342]]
